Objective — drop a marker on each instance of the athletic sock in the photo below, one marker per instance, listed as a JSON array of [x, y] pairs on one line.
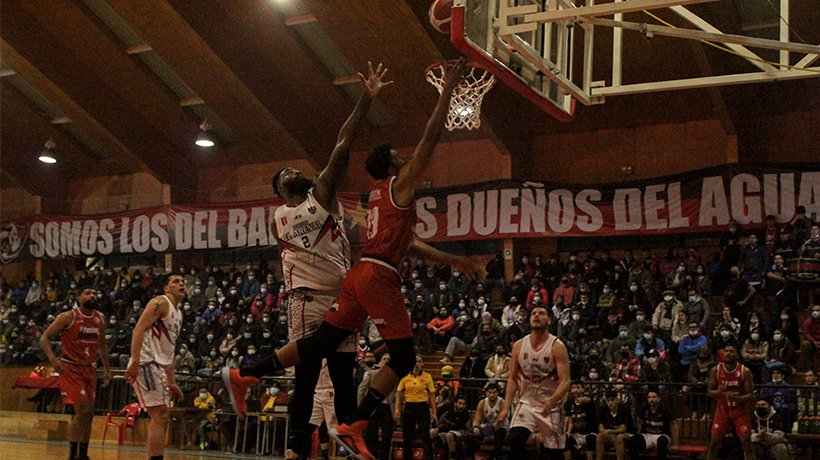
[[72, 454], [83, 450], [263, 368], [369, 405]]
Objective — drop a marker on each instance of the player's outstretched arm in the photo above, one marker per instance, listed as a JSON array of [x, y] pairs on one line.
[[335, 172], [156, 309], [62, 321], [403, 187], [427, 252]]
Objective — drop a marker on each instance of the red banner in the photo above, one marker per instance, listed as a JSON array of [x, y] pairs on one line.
[[704, 200]]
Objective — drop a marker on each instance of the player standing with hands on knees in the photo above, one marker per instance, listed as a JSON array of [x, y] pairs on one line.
[[731, 384], [372, 286], [151, 368], [539, 375], [82, 339]]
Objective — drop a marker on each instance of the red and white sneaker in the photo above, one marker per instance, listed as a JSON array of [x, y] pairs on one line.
[[237, 387], [352, 439]]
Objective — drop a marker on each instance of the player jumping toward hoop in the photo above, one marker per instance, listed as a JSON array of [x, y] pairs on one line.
[[82, 339], [540, 376], [371, 287], [731, 384]]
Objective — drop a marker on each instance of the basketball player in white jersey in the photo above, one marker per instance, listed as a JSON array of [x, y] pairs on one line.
[[315, 259], [151, 368], [323, 409], [540, 377]]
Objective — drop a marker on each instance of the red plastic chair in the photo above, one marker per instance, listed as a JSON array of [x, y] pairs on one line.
[[129, 414]]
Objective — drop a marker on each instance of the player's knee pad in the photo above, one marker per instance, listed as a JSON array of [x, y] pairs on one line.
[[518, 439], [402, 355]]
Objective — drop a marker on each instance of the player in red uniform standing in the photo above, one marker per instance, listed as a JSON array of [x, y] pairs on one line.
[[372, 286], [82, 340], [731, 384]]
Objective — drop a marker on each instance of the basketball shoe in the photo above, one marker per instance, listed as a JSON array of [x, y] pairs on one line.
[[237, 387], [351, 437]]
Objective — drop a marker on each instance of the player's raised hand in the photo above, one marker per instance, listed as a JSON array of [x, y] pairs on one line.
[[455, 75], [375, 80]]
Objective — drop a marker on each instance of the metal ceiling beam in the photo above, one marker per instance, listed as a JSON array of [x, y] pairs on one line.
[[70, 109], [606, 9]]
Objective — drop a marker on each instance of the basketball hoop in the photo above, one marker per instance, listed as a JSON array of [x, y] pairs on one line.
[[465, 104]]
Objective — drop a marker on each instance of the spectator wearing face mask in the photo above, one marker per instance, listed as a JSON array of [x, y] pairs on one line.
[[781, 356], [464, 333], [754, 352], [811, 346], [737, 294], [211, 364], [578, 350], [251, 286], [697, 309], [769, 428], [655, 369], [213, 311], [783, 396], [641, 277], [458, 284], [665, 314], [183, 358], [228, 344], [205, 402], [691, 344], [639, 325], [280, 331], [649, 342], [249, 357], [730, 322], [508, 315], [564, 290], [610, 328], [498, 365], [612, 349], [486, 341], [538, 294]]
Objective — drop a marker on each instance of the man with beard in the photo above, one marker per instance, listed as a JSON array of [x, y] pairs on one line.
[[315, 259], [540, 377], [372, 286], [82, 339], [731, 384]]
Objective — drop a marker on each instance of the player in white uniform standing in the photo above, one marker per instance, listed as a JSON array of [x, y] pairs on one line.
[[315, 260], [151, 368], [323, 409], [539, 376]]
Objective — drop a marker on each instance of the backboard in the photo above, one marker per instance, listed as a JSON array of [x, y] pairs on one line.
[[476, 32]]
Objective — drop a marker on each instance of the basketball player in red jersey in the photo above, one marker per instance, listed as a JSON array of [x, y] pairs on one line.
[[82, 340], [372, 286], [731, 383]]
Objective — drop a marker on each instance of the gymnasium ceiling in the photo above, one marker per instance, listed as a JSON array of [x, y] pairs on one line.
[[122, 85]]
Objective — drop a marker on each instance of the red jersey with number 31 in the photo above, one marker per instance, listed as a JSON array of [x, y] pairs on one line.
[[390, 228], [81, 339]]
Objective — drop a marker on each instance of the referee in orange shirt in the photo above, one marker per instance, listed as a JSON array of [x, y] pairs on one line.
[[415, 405]]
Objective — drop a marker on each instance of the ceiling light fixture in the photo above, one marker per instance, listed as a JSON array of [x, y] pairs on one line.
[[204, 139], [47, 154]]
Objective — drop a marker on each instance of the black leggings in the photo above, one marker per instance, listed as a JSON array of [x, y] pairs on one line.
[[637, 444]]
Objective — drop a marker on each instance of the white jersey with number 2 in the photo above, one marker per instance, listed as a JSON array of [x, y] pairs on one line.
[[315, 250], [538, 375]]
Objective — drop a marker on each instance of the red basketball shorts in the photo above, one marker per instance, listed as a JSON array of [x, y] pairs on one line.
[[372, 289], [78, 384], [726, 417]]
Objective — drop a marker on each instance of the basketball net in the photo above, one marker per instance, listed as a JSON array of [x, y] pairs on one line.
[[465, 104]]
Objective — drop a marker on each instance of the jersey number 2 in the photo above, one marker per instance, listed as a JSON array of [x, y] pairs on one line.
[[306, 241], [372, 222]]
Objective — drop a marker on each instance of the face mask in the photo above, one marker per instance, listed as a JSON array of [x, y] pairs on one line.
[[576, 317], [362, 342], [187, 308], [442, 287], [754, 321], [211, 307], [229, 337], [203, 395], [652, 360], [732, 229], [668, 298], [113, 321], [219, 293], [456, 274], [535, 299], [213, 354], [247, 335], [777, 381], [73, 286], [761, 411], [784, 317], [639, 317], [593, 376], [647, 336], [248, 267], [234, 353], [249, 320], [224, 282], [607, 291], [108, 336], [692, 298], [183, 352], [633, 288], [463, 318], [525, 260], [623, 334], [573, 258], [274, 391], [462, 305], [755, 337], [417, 285], [266, 335], [724, 334], [265, 320], [251, 351], [403, 290], [777, 337], [815, 314], [250, 278], [198, 291], [233, 292], [283, 319], [192, 339]]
